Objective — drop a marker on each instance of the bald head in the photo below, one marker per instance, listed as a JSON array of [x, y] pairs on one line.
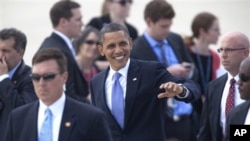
[[236, 39], [234, 49]]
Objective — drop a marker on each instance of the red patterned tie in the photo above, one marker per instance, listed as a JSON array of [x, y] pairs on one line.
[[230, 97]]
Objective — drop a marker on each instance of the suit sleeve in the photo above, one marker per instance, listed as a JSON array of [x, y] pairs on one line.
[[13, 95], [8, 133], [205, 131]]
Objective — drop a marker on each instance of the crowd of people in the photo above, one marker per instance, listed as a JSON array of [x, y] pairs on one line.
[[104, 82]]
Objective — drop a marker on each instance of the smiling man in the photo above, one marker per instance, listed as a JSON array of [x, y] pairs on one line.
[[132, 92]]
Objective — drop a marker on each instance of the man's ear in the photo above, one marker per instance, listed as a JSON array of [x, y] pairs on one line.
[[100, 49], [148, 21]]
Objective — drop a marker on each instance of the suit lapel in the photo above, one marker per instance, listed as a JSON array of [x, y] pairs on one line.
[[68, 121], [133, 80], [216, 94]]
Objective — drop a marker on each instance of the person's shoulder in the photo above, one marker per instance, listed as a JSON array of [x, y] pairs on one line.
[[23, 109], [84, 107], [145, 63], [220, 79], [174, 35]]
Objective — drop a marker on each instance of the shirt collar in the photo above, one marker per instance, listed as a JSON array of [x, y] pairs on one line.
[[56, 107], [123, 71], [152, 41], [11, 72], [236, 77]]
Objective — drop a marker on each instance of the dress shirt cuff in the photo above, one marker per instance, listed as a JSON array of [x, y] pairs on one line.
[[185, 90], [2, 77]]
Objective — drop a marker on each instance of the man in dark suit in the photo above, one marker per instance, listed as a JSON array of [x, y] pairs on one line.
[[141, 89], [234, 48], [240, 114], [16, 87], [159, 44], [69, 119], [66, 20]]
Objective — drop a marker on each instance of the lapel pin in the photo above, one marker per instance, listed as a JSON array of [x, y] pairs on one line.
[[68, 124], [14, 82], [134, 79]]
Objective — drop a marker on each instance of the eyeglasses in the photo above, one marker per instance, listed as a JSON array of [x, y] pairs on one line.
[[228, 50], [123, 2], [46, 77], [243, 77], [91, 42]]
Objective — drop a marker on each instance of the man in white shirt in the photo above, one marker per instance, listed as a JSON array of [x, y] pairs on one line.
[[234, 48]]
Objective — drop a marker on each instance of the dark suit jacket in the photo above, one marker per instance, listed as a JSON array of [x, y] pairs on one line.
[[15, 92], [210, 129], [237, 117], [144, 112], [76, 86], [142, 50], [87, 123]]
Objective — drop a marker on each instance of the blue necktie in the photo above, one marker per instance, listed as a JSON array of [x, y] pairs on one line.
[[46, 130], [117, 100]]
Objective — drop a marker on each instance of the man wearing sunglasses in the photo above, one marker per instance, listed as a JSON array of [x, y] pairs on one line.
[[222, 95], [55, 116], [67, 22], [240, 114], [16, 87]]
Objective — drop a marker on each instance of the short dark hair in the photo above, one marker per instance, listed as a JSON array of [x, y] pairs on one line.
[[62, 9], [46, 54], [156, 10], [85, 33], [17, 35], [203, 20], [112, 27]]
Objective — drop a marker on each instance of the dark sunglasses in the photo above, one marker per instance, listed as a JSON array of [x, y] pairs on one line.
[[91, 42], [123, 2], [244, 78], [46, 77]]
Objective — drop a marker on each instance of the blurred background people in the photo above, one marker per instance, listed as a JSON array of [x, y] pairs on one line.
[[205, 31], [159, 44], [114, 11], [66, 18], [16, 87], [87, 52]]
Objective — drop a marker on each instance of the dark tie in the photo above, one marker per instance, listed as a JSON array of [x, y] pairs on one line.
[[230, 97], [46, 129], [163, 55], [117, 100]]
